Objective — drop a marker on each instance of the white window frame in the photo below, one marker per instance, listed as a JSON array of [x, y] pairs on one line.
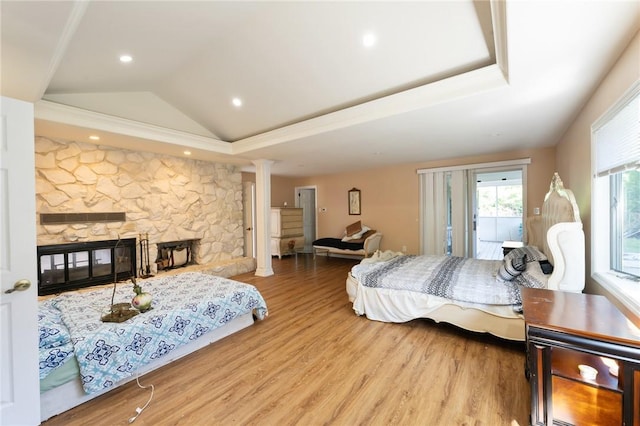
[[625, 290]]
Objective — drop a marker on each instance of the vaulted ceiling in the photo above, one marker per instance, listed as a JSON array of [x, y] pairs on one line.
[[325, 86]]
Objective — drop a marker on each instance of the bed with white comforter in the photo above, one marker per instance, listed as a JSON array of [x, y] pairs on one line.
[[474, 294]]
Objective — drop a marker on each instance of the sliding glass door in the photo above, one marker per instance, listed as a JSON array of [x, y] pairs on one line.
[[496, 200], [471, 210]]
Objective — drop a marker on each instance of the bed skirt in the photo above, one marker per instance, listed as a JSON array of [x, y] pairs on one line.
[[500, 321]]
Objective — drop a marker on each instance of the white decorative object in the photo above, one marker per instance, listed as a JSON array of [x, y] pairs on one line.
[[612, 364], [587, 372]]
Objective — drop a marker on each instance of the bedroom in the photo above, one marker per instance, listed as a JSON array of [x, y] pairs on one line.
[[570, 157]]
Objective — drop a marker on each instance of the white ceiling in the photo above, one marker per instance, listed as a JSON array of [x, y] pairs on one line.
[[445, 78]]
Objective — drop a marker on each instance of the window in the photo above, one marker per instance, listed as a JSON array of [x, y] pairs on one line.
[[500, 201], [616, 200], [625, 222]]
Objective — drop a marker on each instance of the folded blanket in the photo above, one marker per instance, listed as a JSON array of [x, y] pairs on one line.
[[337, 243]]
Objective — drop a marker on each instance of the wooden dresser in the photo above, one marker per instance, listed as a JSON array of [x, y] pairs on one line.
[[286, 226], [565, 330]]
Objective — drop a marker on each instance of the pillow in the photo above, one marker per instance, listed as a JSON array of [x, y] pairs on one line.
[[533, 276], [354, 228], [531, 252], [363, 237], [363, 231], [511, 268], [357, 236], [53, 332]]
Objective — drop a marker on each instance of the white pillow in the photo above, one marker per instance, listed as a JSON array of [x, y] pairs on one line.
[[356, 236]]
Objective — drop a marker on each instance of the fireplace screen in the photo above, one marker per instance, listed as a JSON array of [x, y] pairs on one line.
[[64, 267], [174, 254]]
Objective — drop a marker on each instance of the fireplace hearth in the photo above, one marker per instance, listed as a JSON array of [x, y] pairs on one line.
[[63, 267]]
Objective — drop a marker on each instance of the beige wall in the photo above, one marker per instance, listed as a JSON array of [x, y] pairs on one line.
[[390, 198], [282, 189], [573, 154]]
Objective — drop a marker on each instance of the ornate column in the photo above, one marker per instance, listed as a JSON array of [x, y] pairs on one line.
[[263, 217]]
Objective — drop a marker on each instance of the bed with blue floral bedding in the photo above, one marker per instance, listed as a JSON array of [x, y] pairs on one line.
[[185, 307]]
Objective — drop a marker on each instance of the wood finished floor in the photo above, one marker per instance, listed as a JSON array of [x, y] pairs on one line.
[[314, 362]]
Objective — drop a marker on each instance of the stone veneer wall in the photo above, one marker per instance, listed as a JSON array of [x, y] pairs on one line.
[[169, 198]]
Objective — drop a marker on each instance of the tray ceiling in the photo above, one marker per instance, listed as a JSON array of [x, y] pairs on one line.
[[442, 79]]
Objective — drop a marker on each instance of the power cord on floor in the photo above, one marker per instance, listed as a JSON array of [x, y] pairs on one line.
[[140, 410]]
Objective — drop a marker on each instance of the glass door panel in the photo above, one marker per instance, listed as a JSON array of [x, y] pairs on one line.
[[78, 265]]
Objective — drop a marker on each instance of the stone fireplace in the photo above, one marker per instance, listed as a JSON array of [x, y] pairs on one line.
[[104, 193], [63, 267]]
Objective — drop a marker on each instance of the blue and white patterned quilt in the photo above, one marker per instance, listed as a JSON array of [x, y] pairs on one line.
[[185, 307], [55, 341]]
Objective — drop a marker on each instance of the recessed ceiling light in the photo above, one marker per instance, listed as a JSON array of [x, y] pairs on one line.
[[94, 138], [237, 102], [187, 153], [368, 40], [126, 58]]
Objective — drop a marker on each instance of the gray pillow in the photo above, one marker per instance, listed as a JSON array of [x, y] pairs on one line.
[[532, 253], [511, 268]]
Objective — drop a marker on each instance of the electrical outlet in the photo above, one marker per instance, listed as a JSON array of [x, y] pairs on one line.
[[323, 209]]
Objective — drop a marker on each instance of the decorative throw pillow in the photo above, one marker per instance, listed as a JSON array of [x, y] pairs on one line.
[[354, 228], [363, 236], [532, 253], [53, 332], [532, 277], [511, 268]]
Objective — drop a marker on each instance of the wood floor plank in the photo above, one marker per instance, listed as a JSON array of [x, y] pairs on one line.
[[314, 362]]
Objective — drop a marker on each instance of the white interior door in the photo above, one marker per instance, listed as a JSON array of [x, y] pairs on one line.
[[19, 392], [248, 208]]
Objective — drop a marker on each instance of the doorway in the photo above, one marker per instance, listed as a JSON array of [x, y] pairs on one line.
[[306, 199], [497, 200], [249, 214]]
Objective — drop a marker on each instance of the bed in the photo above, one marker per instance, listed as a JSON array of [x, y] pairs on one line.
[[358, 240], [82, 357], [391, 287]]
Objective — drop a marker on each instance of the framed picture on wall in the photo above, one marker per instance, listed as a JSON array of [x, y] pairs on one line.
[[354, 201]]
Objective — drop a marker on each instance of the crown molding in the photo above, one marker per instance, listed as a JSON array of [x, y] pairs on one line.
[[499, 22], [446, 90], [51, 111]]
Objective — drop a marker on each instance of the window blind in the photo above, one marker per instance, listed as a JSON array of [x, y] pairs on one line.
[[617, 136], [433, 213]]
